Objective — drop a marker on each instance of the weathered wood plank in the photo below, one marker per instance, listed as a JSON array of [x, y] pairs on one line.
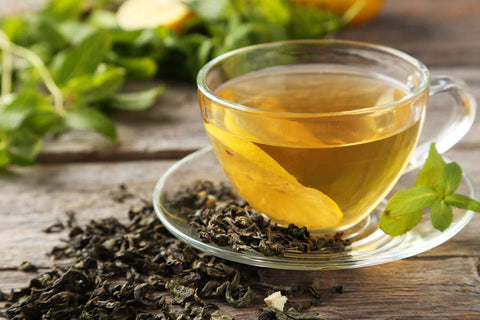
[[438, 32], [403, 289], [408, 289], [32, 199], [174, 128]]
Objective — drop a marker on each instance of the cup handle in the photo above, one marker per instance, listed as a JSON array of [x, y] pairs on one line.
[[460, 120]]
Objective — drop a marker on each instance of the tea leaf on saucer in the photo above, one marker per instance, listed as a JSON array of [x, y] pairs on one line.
[[451, 178], [463, 202], [435, 187], [441, 215], [432, 168], [409, 200], [398, 225]]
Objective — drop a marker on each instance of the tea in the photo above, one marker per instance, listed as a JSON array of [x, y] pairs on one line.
[[325, 171]]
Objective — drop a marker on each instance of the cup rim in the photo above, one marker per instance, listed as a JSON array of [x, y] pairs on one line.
[[205, 90]]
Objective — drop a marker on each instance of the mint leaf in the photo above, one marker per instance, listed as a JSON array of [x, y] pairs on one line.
[[103, 19], [128, 39], [276, 12], [4, 158], [311, 22], [194, 47], [15, 28], [91, 119], [463, 202], [23, 147], [235, 37], [140, 100], [209, 9], [83, 58], [410, 200], [395, 226], [432, 169], [101, 85], [138, 68], [63, 9], [451, 178], [441, 215], [43, 121], [435, 187], [13, 114], [48, 31], [75, 31]]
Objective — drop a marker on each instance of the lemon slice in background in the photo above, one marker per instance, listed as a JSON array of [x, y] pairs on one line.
[[143, 14], [269, 188]]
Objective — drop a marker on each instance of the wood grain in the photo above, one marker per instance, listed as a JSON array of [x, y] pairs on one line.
[[438, 32], [32, 199], [410, 289]]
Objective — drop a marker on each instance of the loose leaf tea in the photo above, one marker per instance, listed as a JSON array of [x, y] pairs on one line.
[[137, 270], [27, 266], [219, 217]]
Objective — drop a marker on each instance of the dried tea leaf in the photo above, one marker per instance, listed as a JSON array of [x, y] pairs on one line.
[[129, 271], [221, 315], [55, 228], [219, 217], [27, 266]]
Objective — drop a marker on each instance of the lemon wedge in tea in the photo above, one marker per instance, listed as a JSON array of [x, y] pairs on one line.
[[268, 187]]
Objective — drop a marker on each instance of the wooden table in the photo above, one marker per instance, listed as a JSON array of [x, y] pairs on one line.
[[80, 170]]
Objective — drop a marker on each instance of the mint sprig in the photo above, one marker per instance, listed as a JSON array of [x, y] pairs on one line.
[[435, 188]]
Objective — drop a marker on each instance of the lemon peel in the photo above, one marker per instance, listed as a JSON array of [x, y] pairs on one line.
[[269, 188], [144, 14]]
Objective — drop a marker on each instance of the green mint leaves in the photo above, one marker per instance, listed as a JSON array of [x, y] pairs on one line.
[[435, 188], [231, 24], [64, 66]]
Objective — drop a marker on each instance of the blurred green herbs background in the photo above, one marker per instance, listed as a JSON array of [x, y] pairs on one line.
[[63, 67]]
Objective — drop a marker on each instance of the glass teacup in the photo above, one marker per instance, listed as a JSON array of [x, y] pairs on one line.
[[317, 132]]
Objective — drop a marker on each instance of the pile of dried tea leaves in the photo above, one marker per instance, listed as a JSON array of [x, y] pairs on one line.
[[218, 216], [138, 270]]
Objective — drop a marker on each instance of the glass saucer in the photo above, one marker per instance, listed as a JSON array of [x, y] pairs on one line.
[[370, 245]]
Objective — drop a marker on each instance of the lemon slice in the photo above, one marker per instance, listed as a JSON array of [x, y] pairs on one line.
[[269, 188], [270, 129], [143, 14]]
